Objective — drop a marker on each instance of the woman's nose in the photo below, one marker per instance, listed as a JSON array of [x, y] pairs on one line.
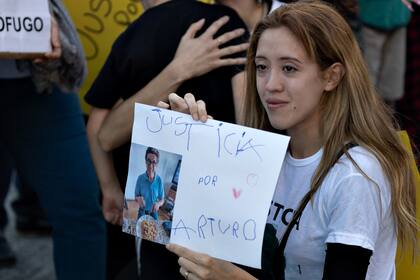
[[274, 82]]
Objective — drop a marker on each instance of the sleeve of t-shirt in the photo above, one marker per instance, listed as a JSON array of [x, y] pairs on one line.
[[354, 212], [111, 81]]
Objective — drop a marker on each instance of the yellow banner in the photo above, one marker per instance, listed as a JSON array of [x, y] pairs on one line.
[[99, 22], [406, 270]]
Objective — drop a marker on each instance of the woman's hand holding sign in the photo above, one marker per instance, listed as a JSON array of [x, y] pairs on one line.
[[195, 266], [55, 44], [188, 105]]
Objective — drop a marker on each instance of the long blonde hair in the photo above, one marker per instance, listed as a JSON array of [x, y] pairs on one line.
[[353, 112]]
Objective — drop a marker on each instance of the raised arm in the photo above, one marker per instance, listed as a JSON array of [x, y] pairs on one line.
[[194, 57]]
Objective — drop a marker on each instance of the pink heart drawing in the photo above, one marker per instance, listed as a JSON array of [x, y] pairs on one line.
[[236, 193]]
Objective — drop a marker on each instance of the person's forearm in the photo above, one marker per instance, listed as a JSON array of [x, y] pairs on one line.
[[102, 160], [116, 129]]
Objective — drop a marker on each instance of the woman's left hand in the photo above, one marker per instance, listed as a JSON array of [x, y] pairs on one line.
[[194, 266], [187, 105]]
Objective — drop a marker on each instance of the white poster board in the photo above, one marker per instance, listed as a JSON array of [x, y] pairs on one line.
[[223, 186], [25, 27]]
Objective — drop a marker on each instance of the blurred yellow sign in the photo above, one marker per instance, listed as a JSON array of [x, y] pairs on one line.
[[406, 270], [99, 22]]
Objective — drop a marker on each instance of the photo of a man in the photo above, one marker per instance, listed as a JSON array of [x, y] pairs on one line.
[[149, 190]]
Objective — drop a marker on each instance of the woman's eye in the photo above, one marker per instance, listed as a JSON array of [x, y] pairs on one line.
[[289, 69], [261, 67]]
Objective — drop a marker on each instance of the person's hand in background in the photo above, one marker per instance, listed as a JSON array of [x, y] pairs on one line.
[[55, 45], [112, 205]]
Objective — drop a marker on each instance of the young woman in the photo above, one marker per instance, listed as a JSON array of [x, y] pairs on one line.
[[307, 78]]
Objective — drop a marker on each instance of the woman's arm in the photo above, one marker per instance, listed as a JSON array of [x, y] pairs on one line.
[[112, 196], [346, 262], [194, 57]]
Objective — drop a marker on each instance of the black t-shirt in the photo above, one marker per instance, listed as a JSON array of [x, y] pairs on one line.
[[147, 47], [150, 43]]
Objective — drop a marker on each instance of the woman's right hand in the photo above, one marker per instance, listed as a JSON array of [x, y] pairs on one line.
[[196, 56], [187, 105]]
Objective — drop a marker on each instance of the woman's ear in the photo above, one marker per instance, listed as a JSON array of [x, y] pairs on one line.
[[333, 76]]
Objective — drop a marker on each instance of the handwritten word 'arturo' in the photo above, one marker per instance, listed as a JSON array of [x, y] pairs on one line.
[[209, 227], [227, 143]]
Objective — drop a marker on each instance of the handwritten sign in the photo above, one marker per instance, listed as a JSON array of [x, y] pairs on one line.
[[226, 181], [25, 27]]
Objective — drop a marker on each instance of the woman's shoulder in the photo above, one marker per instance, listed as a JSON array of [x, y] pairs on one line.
[[360, 169], [359, 160]]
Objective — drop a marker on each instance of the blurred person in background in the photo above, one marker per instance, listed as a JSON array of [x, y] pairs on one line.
[[43, 129], [169, 47], [408, 108], [384, 35], [30, 217]]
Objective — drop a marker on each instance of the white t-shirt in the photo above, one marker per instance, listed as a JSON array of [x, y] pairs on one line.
[[348, 208]]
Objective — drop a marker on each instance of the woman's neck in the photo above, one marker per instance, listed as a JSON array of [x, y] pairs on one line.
[[305, 141]]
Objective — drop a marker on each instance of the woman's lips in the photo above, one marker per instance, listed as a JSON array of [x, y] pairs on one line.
[[275, 103]]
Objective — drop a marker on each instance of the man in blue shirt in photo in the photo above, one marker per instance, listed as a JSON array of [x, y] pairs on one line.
[[149, 191]]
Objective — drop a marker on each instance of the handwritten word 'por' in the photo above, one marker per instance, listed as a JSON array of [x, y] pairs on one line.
[[206, 180], [232, 143], [209, 227]]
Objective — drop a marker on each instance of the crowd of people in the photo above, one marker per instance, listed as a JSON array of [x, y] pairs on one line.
[[330, 74]]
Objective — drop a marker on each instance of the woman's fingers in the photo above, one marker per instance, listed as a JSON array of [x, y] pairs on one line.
[[200, 259], [215, 26], [192, 105], [193, 268], [177, 103], [163, 105], [189, 275], [233, 49], [194, 28], [188, 105], [226, 37], [202, 112]]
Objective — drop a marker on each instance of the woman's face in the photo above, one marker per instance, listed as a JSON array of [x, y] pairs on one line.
[[289, 83]]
